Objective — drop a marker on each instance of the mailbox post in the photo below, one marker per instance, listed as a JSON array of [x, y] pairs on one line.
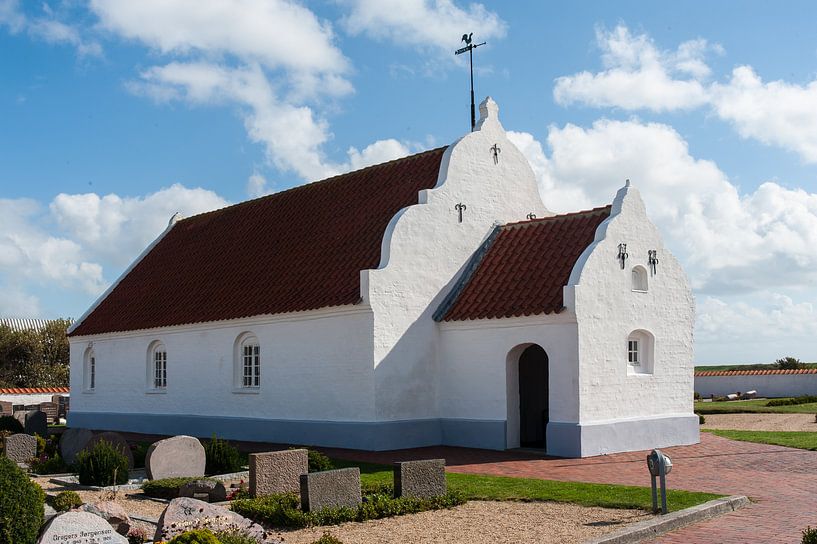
[[659, 466]]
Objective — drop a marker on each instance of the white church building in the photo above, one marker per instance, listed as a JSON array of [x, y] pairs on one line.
[[429, 300]]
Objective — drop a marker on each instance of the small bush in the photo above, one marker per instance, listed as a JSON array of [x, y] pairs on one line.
[[701, 419], [103, 465], [809, 536], [327, 538], [167, 488], [137, 535], [49, 465], [789, 363], [696, 395], [21, 505], [139, 451], [222, 457], [234, 537], [8, 423], [803, 399], [66, 500], [318, 462], [197, 536]]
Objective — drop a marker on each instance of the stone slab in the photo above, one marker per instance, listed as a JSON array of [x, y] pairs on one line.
[[72, 442], [213, 490], [424, 478], [184, 514], [6, 408], [175, 457], [112, 512], [79, 528], [20, 448], [330, 489], [33, 422], [277, 471], [117, 440]]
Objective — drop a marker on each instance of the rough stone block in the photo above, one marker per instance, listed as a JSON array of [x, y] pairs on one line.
[[6, 408], [72, 442], [80, 528], [277, 471], [176, 457], [213, 490], [112, 512], [424, 478], [184, 514], [21, 447], [330, 489], [117, 440], [33, 421]]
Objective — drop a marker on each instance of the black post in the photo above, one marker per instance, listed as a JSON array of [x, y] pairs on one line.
[[473, 109]]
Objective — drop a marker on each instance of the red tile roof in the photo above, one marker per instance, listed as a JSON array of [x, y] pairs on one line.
[[770, 372], [300, 249], [32, 390], [522, 268]]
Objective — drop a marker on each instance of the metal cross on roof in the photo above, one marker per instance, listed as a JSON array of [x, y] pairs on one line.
[[469, 48]]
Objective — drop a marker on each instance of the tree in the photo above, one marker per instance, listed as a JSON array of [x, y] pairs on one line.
[[789, 363], [35, 358]]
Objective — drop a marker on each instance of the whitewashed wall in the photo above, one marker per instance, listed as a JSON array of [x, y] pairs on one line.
[[613, 400], [34, 398], [424, 250], [772, 385]]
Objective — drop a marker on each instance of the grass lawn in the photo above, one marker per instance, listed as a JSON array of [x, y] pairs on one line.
[[499, 488], [752, 406], [793, 439]]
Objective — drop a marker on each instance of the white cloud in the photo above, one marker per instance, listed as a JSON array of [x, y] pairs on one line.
[[421, 23], [775, 113], [638, 75], [11, 16], [376, 153], [258, 186], [46, 28]]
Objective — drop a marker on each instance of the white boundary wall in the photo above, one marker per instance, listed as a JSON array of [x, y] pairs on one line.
[[768, 385]]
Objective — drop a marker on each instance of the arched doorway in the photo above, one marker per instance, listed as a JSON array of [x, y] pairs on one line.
[[533, 397]]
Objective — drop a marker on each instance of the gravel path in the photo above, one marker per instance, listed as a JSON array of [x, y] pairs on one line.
[[761, 422], [478, 522]]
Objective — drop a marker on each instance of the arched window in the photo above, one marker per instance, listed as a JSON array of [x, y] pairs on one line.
[[89, 371], [157, 366], [248, 362], [639, 278], [640, 349]]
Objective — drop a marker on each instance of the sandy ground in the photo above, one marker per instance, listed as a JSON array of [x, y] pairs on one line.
[[761, 422], [478, 522]]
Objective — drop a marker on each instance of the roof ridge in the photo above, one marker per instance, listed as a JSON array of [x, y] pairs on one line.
[[313, 183], [569, 215]]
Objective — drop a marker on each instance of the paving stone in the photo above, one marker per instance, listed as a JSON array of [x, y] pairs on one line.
[[184, 514], [277, 471], [20, 448], [112, 512], [424, 478], [213, 490], [33, 422], [72, 442], [117, 440], [80, 528], [330, 489], [176, 457]]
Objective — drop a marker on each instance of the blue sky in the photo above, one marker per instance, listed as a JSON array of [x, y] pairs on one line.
[[113, 115]]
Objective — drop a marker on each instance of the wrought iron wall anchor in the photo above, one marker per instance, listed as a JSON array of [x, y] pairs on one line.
[[460, 207], [531, 215], [495, 151], [622, 254], [652, 260]]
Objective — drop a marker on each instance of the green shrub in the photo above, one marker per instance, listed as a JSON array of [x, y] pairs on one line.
[[137, 535], [49, 465], [696, 395], [789, 363], [21, 505], [234, 537], [167, 488], [222, 457], [197, 536], [283, 510], [701, 419], [803, 399], [809, 536], [66, 500], [140, 451], [102, 465], [327, 538], [8, 423], [318, 462]]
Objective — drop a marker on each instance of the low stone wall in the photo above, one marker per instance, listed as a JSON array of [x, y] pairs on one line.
[[779, 384]]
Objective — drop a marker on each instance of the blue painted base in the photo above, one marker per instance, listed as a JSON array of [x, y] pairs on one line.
[[371, 436]]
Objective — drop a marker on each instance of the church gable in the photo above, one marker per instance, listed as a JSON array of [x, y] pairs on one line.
[[522, 268], [301, 249]]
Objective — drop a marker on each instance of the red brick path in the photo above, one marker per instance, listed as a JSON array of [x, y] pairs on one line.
[[782, 482]]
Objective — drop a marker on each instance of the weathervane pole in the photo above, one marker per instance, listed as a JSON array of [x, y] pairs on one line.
[[470, 48]]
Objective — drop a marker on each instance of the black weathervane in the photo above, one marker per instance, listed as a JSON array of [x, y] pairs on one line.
[[469, 47]]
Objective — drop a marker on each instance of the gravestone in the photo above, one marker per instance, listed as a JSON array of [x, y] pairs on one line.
[[175, 457], [79, 528], [6, 408], [33, 422], [112, 512], [20, 448], [116, 440], [185, 514], [277, 471], [213, 490], [72, 442], [330, 489], [422, 479], [51, 412]]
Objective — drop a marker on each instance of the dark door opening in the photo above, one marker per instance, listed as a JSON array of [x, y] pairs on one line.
[[533, 397]]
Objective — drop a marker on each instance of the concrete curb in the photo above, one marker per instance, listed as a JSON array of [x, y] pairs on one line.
[[651, 528]]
